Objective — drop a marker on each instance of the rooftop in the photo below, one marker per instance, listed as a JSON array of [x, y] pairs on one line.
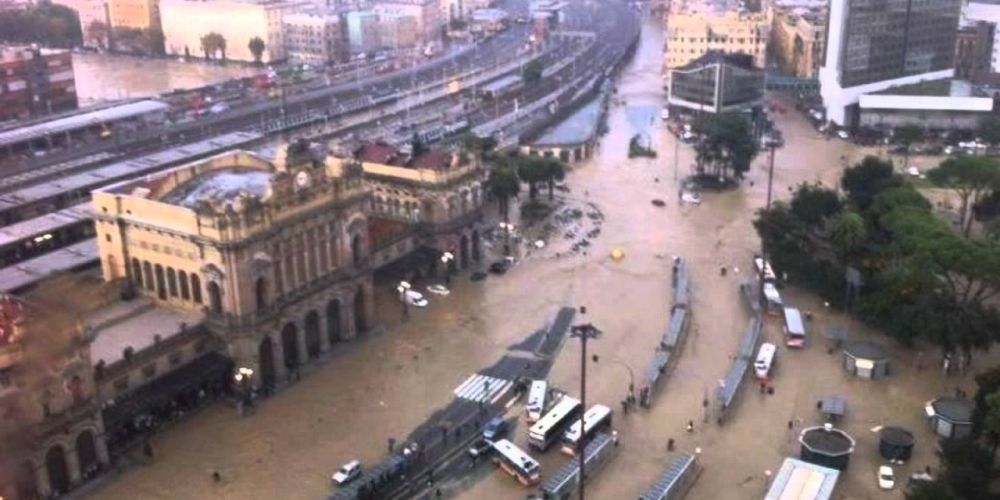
[[946, 87], [134, 324], [31, 271], [828, 441], [954, 409], [801, 480], [744, 61], [578, 128], [220, 184], [43, 224], [381, 153], [866, 349], [897, 436]]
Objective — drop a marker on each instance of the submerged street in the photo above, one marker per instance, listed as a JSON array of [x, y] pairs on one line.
[[388, 382]]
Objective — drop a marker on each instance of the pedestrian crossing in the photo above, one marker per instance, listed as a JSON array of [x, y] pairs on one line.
[[482, 388]]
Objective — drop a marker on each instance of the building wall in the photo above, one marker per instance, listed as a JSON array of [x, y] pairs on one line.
[[90, 11], [363, 31], [35, 83], [426, 12], [314, 38], [988, 12], [973, 48], [186, 21], [137, 14], [797, 43], [690, 36], [399, 31]]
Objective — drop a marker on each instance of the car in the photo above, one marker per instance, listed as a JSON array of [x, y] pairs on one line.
[[477, 276], [886, 477], [480, 447], [495, 428], [499, 267], [843, 135], [438, 289], [415, 299], [347, 473], [691, 197]]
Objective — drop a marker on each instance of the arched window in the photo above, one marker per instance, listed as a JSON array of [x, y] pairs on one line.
[[182, 278], [195, 288], [356, 249], [147, 270], [214, 297], [172, 281], [137, 273], [161, 286], [260, 291]]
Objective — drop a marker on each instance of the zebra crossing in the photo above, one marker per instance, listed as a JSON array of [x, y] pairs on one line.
[[482, 388]]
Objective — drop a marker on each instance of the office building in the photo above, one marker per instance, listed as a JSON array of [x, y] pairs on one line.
[[185, 22], [90, 12], [35, 82], [973, 48], [874, 46], [135, 14], [316, 37], [717, 83], [426, 12], [364, 35], [398, 31], [692, 35]]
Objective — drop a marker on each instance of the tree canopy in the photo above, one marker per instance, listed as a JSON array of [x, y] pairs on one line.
[[46, 24], [726, 146], [970, 177], [256, 46]]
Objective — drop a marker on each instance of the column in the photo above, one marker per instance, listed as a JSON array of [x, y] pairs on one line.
[[280, 372], [300, 332], [348, 325], [324, 339], [72, 464]]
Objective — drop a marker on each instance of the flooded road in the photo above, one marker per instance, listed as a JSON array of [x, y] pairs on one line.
[[105, 78], [387, 383]]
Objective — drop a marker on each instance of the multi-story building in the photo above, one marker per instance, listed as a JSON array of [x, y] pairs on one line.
[[185, 22], [692, 35], [398, 31], [426, 12], [134, 14], [275, 254], [35, 82], [797, 41], [363, 31], [717, 83], [91, 12], [317, 36], [50, 413], [874, 46], [973, 48], [987, 11]]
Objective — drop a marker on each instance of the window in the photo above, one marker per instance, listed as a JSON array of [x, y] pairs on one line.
[[182, 278], [149, 371], [107, 237], [172, 281], [196, 288]]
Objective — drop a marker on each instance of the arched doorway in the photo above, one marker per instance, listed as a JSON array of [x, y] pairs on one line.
[[86, 454], [214, 297], [356, 249], [312, 334], [463, 252], [26, 485], [476, 246], [260, 292], [290, 344], [265, 359], [360, 321], [333, 321], [55, 464]]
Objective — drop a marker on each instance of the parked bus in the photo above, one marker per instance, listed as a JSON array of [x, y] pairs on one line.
[[764, 270], [795, 330], [516, 462], [773, 298], [536, 400], [765, 358], [596, 419], [551, 427]]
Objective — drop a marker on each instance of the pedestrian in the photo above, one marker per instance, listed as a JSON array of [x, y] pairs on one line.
[[625, 407], [438, 493], [147, 450], [690, 426], [763, 387], [216, 476], [790, 425], [670, 444], [770, 390], [392, 444]]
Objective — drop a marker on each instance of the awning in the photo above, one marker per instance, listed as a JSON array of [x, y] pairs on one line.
[[211, 367]]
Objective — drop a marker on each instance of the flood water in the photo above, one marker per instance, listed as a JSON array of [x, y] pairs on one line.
[[101, 77], [387, 383]]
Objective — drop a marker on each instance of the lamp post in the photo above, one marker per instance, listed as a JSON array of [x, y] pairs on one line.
[[402, 288], [446, 259], [583, 332], [507, 228]]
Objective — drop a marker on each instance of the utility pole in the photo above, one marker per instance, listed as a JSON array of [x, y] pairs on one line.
[[763, 240], [583, 332]]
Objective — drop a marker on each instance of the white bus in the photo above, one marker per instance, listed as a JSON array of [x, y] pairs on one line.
[[536, 400], [795, 330], [516, 462], [764, 270], [596, 419], [774, 303], [550, 428], [765, 358]]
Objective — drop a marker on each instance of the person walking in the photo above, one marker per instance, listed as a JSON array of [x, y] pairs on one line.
[[690, 426]]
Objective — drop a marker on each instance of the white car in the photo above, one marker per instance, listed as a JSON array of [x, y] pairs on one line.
[[691, 198], [349, 472], [886, 478], [843, 135], [415, 299], [438, 289]]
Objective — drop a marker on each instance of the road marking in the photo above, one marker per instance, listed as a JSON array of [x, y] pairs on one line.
[[482, 388]]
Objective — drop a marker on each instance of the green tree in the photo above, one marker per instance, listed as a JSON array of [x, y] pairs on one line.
[[532, 170], [908, 135], [931, 490], [967, 468], [256, 46], [504, 184], [970, 177], [532, 72], [991, 422], [481, 148], [213, 43], [46, 24], [555, 170], [813, 204], [849, 233], [868, 178], [988, 129], [417, 145], [727, 145], [98, 32]]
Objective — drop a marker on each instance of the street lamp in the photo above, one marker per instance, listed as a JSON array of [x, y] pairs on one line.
[[507, 228], [583, 332], [243, 376], [402, 289], [446, 259]]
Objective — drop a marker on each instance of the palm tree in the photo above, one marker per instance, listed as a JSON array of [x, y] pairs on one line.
[[531, 169], [555, 170], [256, 47], [503, 184]]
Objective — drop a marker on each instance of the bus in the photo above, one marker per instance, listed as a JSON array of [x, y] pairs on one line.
[[550, 428], [795, 330], [536, 400], [516, 462], [596, 419], [764, 270], [765, 358]]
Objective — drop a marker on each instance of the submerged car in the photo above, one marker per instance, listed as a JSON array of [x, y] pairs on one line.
[[438, 289], [415, 299], [886, 477], [347, 473]]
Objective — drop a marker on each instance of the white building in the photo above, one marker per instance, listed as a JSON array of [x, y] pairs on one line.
[[426, 12], [315, 37]]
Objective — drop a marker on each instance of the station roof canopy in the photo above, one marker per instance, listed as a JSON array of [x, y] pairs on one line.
[[78, 121], [29, 272], [799, 480]]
